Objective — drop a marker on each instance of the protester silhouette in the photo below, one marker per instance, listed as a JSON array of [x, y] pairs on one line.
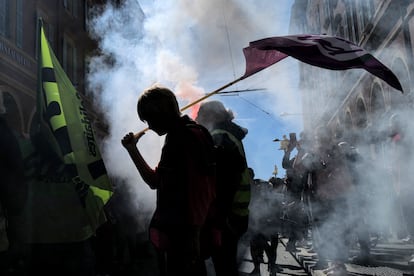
[[233, 183], [294, 218], [12, 199], [265, 223], [332, 185], [184, 180]]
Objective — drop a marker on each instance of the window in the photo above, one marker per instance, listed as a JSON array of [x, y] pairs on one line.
[[377, 100], [349, 23], [355, 21], [5, 18], [71, 6], [70, 59], [367, 8], [318, 19], [19, 23], [327, 10], [348, 121], [361, 116], [337, 25]]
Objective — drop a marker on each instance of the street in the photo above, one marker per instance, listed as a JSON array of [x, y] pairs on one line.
[[284, 259], [390, 258]]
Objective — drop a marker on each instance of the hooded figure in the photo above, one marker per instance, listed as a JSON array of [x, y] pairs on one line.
[[233, 183]]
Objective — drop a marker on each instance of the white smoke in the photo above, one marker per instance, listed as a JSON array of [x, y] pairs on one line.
[[193, 47], [383, 191]]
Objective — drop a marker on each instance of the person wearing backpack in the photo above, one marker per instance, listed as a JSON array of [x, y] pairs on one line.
[[233, 183], [184, 179]]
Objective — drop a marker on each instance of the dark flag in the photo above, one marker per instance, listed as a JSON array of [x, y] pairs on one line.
[[257, 59], [319, 50], [67, 129]]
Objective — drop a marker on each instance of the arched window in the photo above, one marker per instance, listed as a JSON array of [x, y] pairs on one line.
[[377, 101], [348, 121], [337, 24], [361, 116], [339, 131]]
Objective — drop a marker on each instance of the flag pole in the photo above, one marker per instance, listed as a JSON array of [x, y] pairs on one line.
[[202, 98], [211, 94]]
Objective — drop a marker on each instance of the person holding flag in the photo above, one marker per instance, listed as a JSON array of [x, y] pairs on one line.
[[184, 179], [66, 179]]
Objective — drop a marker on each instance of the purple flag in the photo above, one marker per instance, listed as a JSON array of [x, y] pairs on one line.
[[319, 50], [257, 60]]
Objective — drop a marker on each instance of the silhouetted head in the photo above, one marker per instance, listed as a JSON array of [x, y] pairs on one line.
[[212, 113], [158, 107]]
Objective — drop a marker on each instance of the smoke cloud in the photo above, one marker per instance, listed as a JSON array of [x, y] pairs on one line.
[[193, 48], [376, 122]]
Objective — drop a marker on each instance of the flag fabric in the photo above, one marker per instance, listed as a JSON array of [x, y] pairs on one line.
[[257, 59], [65, 125], [323, 51]]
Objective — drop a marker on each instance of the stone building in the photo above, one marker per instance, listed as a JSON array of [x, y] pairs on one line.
[[354, 100], [65, 24], [357, 107]]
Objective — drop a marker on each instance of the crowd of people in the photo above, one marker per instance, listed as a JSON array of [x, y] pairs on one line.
[[336, 202], [208, 202], [325, 200]]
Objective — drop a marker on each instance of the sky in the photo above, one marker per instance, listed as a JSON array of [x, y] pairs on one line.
[[194, 48]]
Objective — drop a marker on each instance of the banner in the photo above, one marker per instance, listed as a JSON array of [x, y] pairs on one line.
[[319, 50], [67, 129], [257, 60]]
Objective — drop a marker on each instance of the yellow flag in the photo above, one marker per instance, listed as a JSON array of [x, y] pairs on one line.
[[67, 128]]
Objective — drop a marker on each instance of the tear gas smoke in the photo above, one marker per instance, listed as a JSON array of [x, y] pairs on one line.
[[191, 47], [196, 46], [377, 125]]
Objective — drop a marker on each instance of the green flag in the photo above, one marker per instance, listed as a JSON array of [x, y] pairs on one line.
[[67, 128]]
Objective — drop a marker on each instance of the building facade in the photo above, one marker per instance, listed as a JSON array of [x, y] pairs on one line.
[[354, 100], [64, 22], [356, 107]]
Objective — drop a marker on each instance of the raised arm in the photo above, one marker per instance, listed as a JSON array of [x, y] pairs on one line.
[[147, 173]]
